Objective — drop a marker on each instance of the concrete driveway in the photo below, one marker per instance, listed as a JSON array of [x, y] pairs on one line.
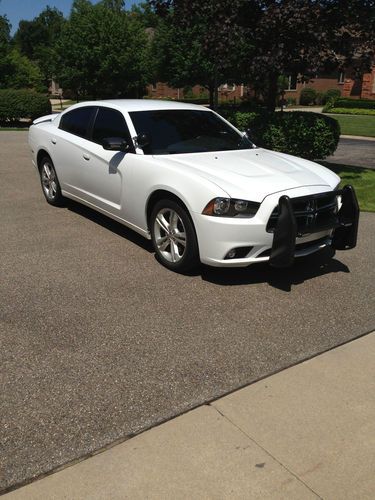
[[99, 342]]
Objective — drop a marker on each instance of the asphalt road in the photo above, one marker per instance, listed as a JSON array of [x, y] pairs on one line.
[[354, 152], [99, 342]]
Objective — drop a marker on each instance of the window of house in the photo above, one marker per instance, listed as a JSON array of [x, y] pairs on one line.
[[292, 82], [227, 87]]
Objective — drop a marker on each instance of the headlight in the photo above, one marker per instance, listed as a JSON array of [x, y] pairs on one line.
[[227, 207]]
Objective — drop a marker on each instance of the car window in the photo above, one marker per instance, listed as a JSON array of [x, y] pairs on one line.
[[77, 121], [186, 131], [110, 123]]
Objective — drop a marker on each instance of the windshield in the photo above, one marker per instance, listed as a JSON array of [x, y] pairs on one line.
[[186, 131]]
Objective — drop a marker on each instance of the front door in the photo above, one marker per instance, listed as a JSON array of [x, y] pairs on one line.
[[105, 172]]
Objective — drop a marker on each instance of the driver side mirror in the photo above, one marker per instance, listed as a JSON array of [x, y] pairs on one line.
[[248, 133], [142, 140], [115, 144]]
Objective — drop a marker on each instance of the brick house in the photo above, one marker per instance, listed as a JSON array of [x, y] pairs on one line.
[[362, 88], [227, 91]]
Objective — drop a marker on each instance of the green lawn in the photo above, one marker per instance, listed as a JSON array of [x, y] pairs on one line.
[[14, 129], [356, 124], [363, 181]]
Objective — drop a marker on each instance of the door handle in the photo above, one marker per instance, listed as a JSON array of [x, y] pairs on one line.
[[86, 156], [53, 141]]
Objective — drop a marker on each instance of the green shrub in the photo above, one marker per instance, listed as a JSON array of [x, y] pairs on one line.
[[331, 95], [319, 98], [292, 101], [354, 103], [352, 111], [308, 96], [22, 104], [243, 120], [304, 134]]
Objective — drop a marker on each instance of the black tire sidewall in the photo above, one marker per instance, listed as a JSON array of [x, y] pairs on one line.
[[190, 260], [58, 200]]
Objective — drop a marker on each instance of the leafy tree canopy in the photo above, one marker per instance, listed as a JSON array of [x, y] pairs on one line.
[[103, 50], [37, 39], [198, 42], [260, 40], [18, 72]]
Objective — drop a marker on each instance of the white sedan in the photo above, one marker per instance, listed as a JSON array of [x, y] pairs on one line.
[[184, 177]]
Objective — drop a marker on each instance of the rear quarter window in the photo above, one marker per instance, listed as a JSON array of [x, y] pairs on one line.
[[78, 121]]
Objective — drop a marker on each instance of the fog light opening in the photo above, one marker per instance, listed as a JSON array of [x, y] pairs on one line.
[[231, 254], [238, 253]]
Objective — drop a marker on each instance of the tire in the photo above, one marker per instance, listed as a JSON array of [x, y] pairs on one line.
[[50, 183], [173, 236]]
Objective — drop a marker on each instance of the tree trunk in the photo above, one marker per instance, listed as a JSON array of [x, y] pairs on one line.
[[211, 91], [272, 93], [216, 93]]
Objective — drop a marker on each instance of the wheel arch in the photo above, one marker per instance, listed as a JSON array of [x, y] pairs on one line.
[[41, 153], [161, 194]]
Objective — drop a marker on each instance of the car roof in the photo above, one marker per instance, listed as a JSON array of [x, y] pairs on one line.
[[129, 105]]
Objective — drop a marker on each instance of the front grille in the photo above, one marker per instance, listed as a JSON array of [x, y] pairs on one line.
[[313, 213]]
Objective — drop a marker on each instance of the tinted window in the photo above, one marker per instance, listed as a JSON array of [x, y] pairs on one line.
[[109, 123], [77, 121], [186, 131]]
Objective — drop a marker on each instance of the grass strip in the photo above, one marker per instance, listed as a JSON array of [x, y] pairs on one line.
[[362, 179]]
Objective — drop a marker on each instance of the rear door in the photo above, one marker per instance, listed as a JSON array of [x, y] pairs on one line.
[[71, 147]]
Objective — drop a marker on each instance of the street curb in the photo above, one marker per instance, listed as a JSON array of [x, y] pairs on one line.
[[357, 137]]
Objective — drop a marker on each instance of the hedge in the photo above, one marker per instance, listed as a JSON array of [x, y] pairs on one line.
[[352, 111], [304, 134], [350, 104], [22, 104]]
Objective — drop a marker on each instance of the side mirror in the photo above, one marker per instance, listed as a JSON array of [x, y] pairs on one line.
[[142, 140], [248, 133], [115, 144]]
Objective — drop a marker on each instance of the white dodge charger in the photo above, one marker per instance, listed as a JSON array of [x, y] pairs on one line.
[[184, 177]]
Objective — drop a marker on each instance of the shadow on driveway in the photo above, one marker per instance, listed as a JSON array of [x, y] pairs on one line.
[[304, 268]]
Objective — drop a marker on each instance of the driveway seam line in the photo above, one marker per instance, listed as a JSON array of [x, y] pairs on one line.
[[266, 451]]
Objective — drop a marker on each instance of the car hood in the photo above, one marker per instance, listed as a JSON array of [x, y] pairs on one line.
[[256, 173]]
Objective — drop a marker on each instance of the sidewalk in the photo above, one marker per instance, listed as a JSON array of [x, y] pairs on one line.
[[306, 432]]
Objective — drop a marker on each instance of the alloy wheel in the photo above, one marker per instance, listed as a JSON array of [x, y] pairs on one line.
[[170, 235]]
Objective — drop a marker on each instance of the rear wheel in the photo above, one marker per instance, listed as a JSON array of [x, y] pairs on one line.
[[50, 183], [173, 236]]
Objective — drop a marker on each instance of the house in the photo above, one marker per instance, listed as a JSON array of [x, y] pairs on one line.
[[227, 92], [363, 88]]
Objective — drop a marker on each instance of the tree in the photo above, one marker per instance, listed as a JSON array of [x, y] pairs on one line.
[[198, 42], [303, 37], [37, 40], [259, 41], [18, 72], [4, 45], [102, 50]]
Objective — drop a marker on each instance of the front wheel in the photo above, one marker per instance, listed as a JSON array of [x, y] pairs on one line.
[[50, 183], [173, 236]]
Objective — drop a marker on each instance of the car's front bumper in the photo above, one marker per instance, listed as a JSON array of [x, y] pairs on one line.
[[219, 235]]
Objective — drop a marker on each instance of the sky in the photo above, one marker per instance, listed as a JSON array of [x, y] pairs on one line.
[[16, 10]]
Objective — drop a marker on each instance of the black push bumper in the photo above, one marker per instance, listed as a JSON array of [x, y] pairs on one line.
[[344, 223]]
